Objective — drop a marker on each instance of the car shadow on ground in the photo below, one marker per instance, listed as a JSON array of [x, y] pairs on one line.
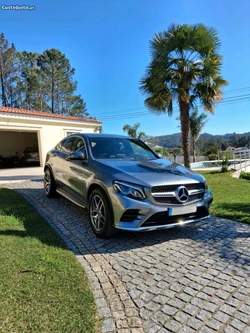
[[215, 237]]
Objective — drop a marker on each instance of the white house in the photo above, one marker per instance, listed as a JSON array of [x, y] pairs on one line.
[[25, 128]]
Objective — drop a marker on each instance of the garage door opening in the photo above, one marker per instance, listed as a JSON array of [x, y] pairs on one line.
[[18, 149]]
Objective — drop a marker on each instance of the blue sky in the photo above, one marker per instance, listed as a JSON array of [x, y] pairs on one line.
[[107, 42]]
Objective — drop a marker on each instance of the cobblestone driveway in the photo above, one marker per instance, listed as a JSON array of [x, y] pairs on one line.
[[190, 279]]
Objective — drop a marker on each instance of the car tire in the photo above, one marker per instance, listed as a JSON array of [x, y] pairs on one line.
[[101, 215], [49, 184]]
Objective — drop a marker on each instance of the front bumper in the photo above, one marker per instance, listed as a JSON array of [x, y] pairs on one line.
[[144, 215]]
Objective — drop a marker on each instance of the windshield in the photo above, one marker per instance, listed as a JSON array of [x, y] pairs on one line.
[[120, 148]]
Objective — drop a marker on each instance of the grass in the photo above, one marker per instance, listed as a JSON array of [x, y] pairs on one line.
[[231, 196], [43, 288]]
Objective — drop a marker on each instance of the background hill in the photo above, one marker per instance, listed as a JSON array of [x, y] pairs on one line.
[[174, 140]]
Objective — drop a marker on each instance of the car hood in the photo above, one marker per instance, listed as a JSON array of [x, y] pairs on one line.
[[150, 172]]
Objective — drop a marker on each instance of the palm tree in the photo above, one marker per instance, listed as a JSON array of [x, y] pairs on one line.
[[185, 67], [197, 123], [132, 131]]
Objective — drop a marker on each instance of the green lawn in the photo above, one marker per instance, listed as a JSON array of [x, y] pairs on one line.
[[231, 196], [42, 286]]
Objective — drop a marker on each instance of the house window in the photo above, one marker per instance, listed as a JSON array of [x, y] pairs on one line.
[[70, 133]]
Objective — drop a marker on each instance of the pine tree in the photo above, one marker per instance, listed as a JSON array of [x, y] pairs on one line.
[[57, 76], [8, 72]]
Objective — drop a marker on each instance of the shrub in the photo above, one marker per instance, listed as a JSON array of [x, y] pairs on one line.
[[224, 164], [226, 154], [245, 175], [212, 157]]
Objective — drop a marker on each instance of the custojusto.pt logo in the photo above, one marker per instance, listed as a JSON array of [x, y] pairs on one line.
[[17, 7]]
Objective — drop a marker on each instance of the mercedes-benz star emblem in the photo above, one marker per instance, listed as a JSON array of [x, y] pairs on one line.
[[182, 194]]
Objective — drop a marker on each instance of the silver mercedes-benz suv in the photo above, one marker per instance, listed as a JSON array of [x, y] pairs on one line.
[[124, 184]]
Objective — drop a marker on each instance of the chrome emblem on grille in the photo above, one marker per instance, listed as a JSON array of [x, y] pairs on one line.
[[182, 194]]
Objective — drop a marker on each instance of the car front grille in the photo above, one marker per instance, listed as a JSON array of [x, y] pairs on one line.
[[172, 188], [166, 195]]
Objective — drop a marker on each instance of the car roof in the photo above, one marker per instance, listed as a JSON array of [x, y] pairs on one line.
[[101, 135]]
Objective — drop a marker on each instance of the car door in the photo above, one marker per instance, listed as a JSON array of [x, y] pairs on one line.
[[59, 161], [78, 171]]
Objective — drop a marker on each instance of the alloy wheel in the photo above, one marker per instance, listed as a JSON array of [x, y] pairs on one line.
[[47, 182], [97, 213]]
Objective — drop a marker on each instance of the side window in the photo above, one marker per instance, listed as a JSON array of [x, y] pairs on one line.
[[138, 150], [67, 144], [78, 144], [59, 145]]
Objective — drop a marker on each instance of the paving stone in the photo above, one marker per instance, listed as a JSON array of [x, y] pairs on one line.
[[227, 309], [222, 317], [172, 325], [204, 315], [206, 329], [190, 309], [153, 306], [194, 323], [229, 329], [134, 322], [238, 325], [145, 314], [161, 299], [150, 328], [242, 317], [108, 325], [119, 314], [160, 317], [169, 310], [104, 312]]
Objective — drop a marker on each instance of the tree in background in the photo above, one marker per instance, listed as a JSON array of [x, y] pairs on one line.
[[57, 76], [30, 88], [74, 105], [132, 131], [161, 150], [43, 82], [174, 151], [197, 123], [8, 72], [186, 67]]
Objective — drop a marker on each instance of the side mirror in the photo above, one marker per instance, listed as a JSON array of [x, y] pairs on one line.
[[78, 155]]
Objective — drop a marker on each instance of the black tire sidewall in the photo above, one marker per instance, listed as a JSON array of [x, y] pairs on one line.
[[52, 191]]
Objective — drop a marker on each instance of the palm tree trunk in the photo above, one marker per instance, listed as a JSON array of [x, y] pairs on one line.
[[194, 151], [185, 131]]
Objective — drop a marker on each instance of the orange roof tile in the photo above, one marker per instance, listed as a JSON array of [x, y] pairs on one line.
[[16, 111]]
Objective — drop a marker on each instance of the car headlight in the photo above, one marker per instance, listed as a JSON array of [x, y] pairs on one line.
[[132, 191]]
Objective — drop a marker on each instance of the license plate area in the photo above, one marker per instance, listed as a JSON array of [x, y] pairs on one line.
[[182, 210]]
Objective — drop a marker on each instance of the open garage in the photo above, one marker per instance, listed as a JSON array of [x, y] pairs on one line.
[[32, 133], [15, 145]]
